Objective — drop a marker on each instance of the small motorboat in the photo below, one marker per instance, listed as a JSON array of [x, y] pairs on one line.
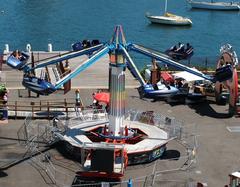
[[180, 51], [38, 85], [169, 19], [17, 59], [214, 5]]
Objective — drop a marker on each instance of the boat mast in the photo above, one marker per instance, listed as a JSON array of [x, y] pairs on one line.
[[165, 7]]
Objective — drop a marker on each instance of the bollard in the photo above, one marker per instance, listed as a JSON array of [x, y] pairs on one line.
[[49, 47], [6, 48], [28, 48], [130, 184]]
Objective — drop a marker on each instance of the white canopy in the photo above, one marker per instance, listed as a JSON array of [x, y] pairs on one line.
[[187, 76]]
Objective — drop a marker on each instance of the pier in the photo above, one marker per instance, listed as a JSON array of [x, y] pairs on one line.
[[94, 77]]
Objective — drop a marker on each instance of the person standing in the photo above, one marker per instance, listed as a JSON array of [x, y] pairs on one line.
[[5, 108], [78, 100]]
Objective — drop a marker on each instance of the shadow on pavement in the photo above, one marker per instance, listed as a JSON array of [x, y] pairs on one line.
[[204, 109], [171, 155], [3, 174]]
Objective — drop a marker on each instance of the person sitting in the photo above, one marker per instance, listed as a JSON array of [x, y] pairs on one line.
[[179, 83], [17, 54], [174, 48], [107, 108], [96, 104]]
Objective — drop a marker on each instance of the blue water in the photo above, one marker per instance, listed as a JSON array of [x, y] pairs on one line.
[[63, 22]]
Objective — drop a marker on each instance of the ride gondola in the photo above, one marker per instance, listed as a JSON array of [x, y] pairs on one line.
[[17, 59], [38, 85], [157, 91], [85, 44], [180, 51]]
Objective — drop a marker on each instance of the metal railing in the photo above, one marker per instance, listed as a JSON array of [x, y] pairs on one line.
[[44, 109]]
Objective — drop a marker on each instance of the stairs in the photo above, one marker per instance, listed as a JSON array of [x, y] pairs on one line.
[[56, 73], [52, 74]]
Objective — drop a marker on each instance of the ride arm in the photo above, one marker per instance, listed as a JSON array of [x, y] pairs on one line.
[[66, 56], [167, 60], [83, 66], [132, 66]]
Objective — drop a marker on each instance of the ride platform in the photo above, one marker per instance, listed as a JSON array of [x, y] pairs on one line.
[[106, 157], [154, 136]]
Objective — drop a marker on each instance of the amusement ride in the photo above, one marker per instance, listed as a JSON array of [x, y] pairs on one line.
[[225, 75], [113, 137]]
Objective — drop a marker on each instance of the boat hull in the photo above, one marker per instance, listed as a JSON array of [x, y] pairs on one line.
[[168, 21], [214, 6]]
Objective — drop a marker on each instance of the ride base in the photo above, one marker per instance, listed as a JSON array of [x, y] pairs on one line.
[[104, 156]]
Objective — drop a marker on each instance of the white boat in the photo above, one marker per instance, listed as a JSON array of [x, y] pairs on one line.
[[214, 5], [168, 18]]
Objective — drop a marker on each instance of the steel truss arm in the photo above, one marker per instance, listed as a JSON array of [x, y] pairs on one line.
[[83, 66], [132, 66], [167, 60], [66, 56]]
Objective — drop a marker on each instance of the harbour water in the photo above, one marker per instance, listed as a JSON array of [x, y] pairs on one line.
[[63, 22]]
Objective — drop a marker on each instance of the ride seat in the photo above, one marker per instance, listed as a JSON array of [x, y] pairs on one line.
[[77, 46], [95, 42], [86, 43]]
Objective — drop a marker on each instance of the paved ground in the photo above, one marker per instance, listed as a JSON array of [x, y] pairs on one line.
[[218, 149], [217, 155]]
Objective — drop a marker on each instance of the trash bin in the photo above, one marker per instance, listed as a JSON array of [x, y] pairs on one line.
[[5, 113]]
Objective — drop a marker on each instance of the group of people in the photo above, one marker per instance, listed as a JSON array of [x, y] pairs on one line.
[[181, 47]]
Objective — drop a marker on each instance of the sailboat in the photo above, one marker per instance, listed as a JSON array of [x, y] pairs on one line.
[[214, 5], [168, 18]]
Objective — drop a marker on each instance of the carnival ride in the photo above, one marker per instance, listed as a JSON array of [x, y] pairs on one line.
[[101, 135], [225, 76], [111, 136]]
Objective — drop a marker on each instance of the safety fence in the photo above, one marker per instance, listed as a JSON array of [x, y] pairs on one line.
[[169, 124], [162, 171], [42, 108]]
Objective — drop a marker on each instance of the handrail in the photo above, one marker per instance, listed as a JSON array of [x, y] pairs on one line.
[[33, 107]]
